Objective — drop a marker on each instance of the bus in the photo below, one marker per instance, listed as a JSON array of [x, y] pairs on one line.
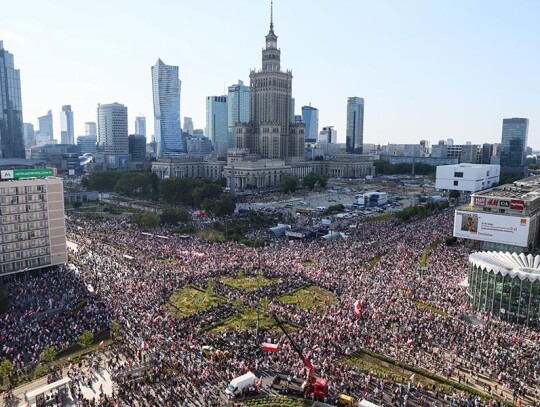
[[303, 211]]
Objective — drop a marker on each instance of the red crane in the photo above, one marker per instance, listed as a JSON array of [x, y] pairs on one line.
[[316, 386]]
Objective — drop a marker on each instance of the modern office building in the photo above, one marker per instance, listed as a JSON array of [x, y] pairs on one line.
[[140, 126], [487, 153], [63, 157], [32, 219], [506, 286], [67, 130], [113, 129], [238, 107], [188, 126], [355, 125], [11, 117], [270, 132], [199, 146], [503, 218], [467, 178], [327, 135], [514, 144], [166, 88], [137, 147], [217, 125], [90, 129], [310, 116], [29, 134], [46, 126], [87, 144]]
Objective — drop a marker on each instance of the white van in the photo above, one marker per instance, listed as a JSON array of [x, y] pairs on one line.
[[240, 383]]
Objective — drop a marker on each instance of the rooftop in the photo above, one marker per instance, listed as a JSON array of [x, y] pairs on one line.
[[513, 264], [527, 189]]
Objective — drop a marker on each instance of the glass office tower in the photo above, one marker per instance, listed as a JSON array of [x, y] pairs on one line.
[[11, 118], [514, 143], [238, 106], [355, 125]]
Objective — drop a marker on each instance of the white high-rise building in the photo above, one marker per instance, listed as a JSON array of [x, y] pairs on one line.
[[217, 128], [46, 126], [140, 126], [90, 129], [67, 130], [188, 126], [166, 87], [113, 129]]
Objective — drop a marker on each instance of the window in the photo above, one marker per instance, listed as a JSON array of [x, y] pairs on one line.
[[458, 175], [456, 183]]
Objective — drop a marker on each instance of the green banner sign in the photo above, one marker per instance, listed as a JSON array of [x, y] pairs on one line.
[[28, 173]]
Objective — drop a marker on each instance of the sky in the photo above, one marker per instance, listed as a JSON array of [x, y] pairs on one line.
[[427, 69]]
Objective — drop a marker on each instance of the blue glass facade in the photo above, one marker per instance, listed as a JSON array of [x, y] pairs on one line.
[[238, 107], [11, 120], [217, 122], [166, 87], [355, 125], [514, 142], [67, 131], [310, 116]]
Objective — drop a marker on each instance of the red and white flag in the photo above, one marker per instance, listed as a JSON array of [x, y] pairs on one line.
[[101, 344], [270, 347], [410, 343], [144, 345], [357, 307]]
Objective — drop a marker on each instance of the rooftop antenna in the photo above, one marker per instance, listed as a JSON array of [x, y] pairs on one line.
[[271, 14]]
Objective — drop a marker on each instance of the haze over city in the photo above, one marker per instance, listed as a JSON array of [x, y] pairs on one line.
[[427, 70]]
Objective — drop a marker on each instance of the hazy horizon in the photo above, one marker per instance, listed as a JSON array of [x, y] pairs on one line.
[[427, 70]]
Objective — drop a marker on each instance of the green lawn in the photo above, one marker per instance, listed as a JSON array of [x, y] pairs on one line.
[[374, 260], [246, 319], [171, 260], [429, 307], [278, 401], [190, 300], [248, 283], [378, 218], [308, 298]]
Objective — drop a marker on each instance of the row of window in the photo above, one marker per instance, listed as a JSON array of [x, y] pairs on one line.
[[25, 254], [28, 189], [23, 227], [24, 217], [26, 263], [18, 227], [13, 245], [22, 199]]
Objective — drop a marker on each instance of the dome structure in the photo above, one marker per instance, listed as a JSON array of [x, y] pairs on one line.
[[506, 285]]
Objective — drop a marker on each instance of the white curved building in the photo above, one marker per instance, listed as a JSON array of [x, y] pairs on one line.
[[506, 285]]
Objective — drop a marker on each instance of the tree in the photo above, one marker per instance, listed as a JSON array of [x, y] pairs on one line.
[[310, 180], [84, 182], [77, 204], [454, 194], [210, 287], [85, 339], [146, 220], [6, 367], [323, 181], [114, 328], [48, 355], [104, 180], [288, 184], [209, 205], [225, 206], [173, 216]]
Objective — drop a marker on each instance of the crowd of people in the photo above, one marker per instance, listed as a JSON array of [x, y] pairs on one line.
[[410, 313]]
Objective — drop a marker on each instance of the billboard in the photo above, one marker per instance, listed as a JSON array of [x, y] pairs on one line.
[[28, 173], [512, 230]]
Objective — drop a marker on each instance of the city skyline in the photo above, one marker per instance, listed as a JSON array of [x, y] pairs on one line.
[[426, 70]]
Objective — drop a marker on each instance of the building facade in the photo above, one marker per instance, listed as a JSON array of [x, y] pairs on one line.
[[32, 221], [467, 178], [67, 130], [90, 129], [514, 144], [188, 126], [140, 126], [46, 129], [327, 135], [217, 124], [310, 116], [87, 144], [188, 167], [166, 88], [11, 115], [113, 129], [238, 108], [137, 147], [355, 125], [199, 146], [506, 286], [270, 132], [63, 157], [29, 134]]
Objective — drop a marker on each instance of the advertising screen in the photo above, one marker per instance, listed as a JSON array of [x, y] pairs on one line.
[[512, 230]]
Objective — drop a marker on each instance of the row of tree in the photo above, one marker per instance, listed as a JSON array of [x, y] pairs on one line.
[[385, 168], [290, 184]]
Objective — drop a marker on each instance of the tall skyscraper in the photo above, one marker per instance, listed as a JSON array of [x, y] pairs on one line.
[[46, 125], [67, 131], [238, 108], [188, 125], [166, 87], [217, 128], [355, 125], [113, 129], [140, 126], [270, 131], [328, 135], [29, 134], [90, 129], [310, 115], [11, 119], [513, 144]]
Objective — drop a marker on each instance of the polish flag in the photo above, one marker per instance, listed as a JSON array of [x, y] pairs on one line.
[[101, 344], [270, 347], [144, 345], [410, 343], [357, 307]]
